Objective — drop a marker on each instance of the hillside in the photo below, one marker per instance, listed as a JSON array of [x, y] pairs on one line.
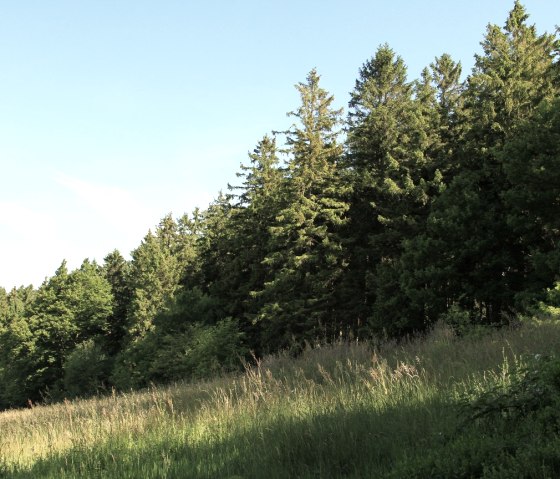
[[429, 197], [438, 406]]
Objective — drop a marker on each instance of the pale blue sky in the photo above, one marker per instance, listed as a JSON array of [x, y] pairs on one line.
[[115, 113]]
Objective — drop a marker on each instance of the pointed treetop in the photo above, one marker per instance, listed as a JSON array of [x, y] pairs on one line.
[[516, 18], [62, 270], [381, 79]]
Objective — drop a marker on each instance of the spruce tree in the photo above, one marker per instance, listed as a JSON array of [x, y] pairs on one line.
[[531, 160], [392, 142], [306, 259], [117, 272], [480, 262], [258, 200], [440, 91], [158, 272], [154, 277], [217, 254], [3, 305], [446, 80]]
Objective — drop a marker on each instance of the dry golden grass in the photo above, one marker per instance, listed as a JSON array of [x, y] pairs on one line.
[[330, 400]]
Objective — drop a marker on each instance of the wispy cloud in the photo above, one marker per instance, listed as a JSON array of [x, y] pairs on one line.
[[75, 218], [78, 219], [23, 221], [118, 207], [29, 244]]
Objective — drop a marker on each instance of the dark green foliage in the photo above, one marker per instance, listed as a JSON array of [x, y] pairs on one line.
[[86, 370], [198, 351], [3, 305], [531, 161], [259, 202], [16, 344], [155, 275], [471, 254], [306, 257], [187, 341], [117, 272], [532, 392], [67, 309], [551, 301], [511, 430], [393, 147], [217, 248]]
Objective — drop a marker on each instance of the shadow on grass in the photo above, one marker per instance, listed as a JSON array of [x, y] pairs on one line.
[[421, 442], [341, 443]]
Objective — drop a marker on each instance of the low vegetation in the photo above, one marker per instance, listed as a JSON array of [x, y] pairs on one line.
[[482, 404]]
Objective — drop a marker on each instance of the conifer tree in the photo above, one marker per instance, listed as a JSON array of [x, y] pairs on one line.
[[189, 229], [443, 98], [258, 202], [155, 276], [3, 305], [480, 262], [158, 271], [446, 80], [216, 253], [392, 141], [531, 159], [117, 272], [306, 258]]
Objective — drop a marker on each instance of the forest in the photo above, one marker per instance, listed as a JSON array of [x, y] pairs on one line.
[[433, 199]]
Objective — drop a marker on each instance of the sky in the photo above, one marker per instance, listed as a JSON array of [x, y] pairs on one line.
[[114, 113]]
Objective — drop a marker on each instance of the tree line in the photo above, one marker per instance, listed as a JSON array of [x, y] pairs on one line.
[[432, 198]]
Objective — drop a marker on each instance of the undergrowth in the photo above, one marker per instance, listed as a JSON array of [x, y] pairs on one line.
[[442, 406]]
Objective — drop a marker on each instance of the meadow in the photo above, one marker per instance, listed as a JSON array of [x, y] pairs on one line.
[[422, 408]]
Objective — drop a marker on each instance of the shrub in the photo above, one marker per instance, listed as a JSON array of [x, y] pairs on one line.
[[531, 392], [199, 351], [86, 369], [551, 303]]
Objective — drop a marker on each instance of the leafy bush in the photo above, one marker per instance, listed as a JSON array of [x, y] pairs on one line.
[[510, 430], [86, 369], [199, 351], [464, 323], [551, 303], [533, 392]]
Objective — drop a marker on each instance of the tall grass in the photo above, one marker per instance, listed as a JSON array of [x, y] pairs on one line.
[[345, 410]]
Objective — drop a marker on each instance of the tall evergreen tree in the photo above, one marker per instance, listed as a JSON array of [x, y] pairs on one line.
[[258, 201], [443, 102], [480, 262], [154, 277], [217, 253], [3, 305], [306, 259], [159, 271], [392, 138], [117, 272], [189, 230], [446, 79], [531, 159]]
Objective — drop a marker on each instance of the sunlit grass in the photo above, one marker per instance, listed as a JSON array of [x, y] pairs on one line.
[[345, 410]]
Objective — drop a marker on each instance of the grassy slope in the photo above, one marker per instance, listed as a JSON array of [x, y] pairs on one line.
[[338, 411]]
